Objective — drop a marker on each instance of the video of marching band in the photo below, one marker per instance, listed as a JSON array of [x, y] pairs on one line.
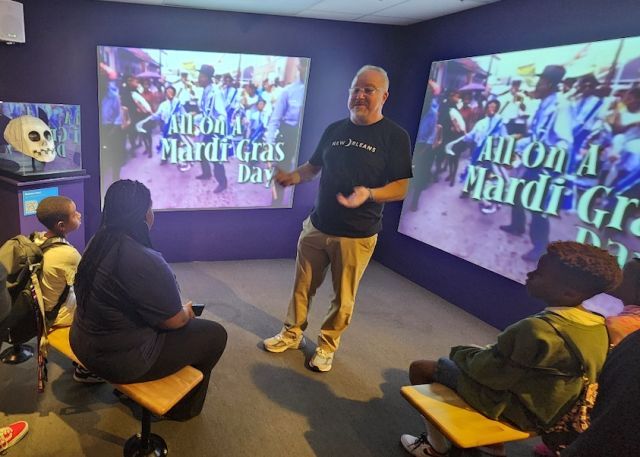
[[518, 149], [202, 130]]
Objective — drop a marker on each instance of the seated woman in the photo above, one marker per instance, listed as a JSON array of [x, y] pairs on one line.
[[628, 321], [130, 325]]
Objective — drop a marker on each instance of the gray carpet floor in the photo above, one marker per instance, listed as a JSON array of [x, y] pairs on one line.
[[263, 404]]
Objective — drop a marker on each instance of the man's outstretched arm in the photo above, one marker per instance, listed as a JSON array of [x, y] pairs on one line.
[[303, 173]]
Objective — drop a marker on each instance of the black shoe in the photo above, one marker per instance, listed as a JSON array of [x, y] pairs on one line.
[[120, 396], [203, 177], [511, 230], [532, 256], [220, 188], [85, 376]]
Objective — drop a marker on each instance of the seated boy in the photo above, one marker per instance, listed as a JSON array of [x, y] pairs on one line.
[[628, 321], [60, 262], [520, 378], [59, 265]]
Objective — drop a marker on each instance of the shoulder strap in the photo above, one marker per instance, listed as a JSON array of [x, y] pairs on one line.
[[53, 241], [570, 345], [49, 316]]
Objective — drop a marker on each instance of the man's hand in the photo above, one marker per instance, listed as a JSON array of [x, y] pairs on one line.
[[357, 198], [287, 179]]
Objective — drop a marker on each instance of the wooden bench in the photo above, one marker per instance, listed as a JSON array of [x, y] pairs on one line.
[[460, 423], [155, 397]]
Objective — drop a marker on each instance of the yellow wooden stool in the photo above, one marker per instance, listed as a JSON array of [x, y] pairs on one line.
[[460, 423], [155, 397]]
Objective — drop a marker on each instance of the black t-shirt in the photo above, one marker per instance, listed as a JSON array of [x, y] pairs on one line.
[[614, 420], [353, 155], [116, 334]]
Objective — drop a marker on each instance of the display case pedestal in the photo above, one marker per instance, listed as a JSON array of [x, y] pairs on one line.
[[18, 199]]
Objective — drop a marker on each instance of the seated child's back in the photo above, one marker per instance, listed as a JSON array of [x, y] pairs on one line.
[[60, 262]]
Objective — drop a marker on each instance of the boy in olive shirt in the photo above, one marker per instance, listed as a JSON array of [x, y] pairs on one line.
[[518, 378]]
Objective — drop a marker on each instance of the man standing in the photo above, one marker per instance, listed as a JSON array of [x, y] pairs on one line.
[[186, 90], [551, 125], [513, 109], [212, 106], [230, 95], [365, 161], [137, 109], [285, 119], [586, 117], [429, 134]]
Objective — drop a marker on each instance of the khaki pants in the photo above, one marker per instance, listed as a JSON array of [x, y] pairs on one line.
[[348, 258]]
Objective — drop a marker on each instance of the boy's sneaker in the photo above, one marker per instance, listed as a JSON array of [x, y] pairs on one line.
[[85, 376], [419, 446], [321, 360], [12, 434], [281, 342]]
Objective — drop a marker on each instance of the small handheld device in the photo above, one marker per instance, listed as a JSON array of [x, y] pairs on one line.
[[197, 308]]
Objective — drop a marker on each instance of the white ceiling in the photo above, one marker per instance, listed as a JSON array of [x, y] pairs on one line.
[[396, 12]]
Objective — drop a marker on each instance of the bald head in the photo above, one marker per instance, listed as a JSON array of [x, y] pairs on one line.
[[367, 94], [381, 71]]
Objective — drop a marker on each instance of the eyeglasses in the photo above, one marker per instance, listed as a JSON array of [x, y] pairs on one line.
[[362, 90]]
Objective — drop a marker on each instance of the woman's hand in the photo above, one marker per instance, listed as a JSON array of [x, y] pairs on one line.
[[180, 319], [189, 310]]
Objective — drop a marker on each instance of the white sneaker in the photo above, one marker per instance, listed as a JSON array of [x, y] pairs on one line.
[[488, 208], [321, 360], [281, 342], [419, 446]]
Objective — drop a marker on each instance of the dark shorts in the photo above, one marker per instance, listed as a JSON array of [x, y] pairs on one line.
[[447, 373]]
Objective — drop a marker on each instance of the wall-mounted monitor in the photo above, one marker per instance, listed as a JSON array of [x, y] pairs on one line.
[[203, 130], [518, 149]]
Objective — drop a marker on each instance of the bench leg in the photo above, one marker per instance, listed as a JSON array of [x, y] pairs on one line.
[[17, 353], [458, 452], [145, 443]]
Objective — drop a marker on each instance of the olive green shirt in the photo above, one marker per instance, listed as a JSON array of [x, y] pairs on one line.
[[509, 380]]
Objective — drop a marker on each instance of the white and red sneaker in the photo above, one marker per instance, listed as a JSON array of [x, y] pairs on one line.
[[11, 434]]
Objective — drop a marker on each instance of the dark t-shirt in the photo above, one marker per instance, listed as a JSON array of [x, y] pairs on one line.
[[116, 334], [353, 155], [615, 418]]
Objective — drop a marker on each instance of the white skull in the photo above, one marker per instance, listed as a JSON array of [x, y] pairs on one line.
[[32, 137]]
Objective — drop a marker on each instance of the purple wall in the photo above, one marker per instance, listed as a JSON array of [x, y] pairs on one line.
[[504, 26], [58, 64]]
